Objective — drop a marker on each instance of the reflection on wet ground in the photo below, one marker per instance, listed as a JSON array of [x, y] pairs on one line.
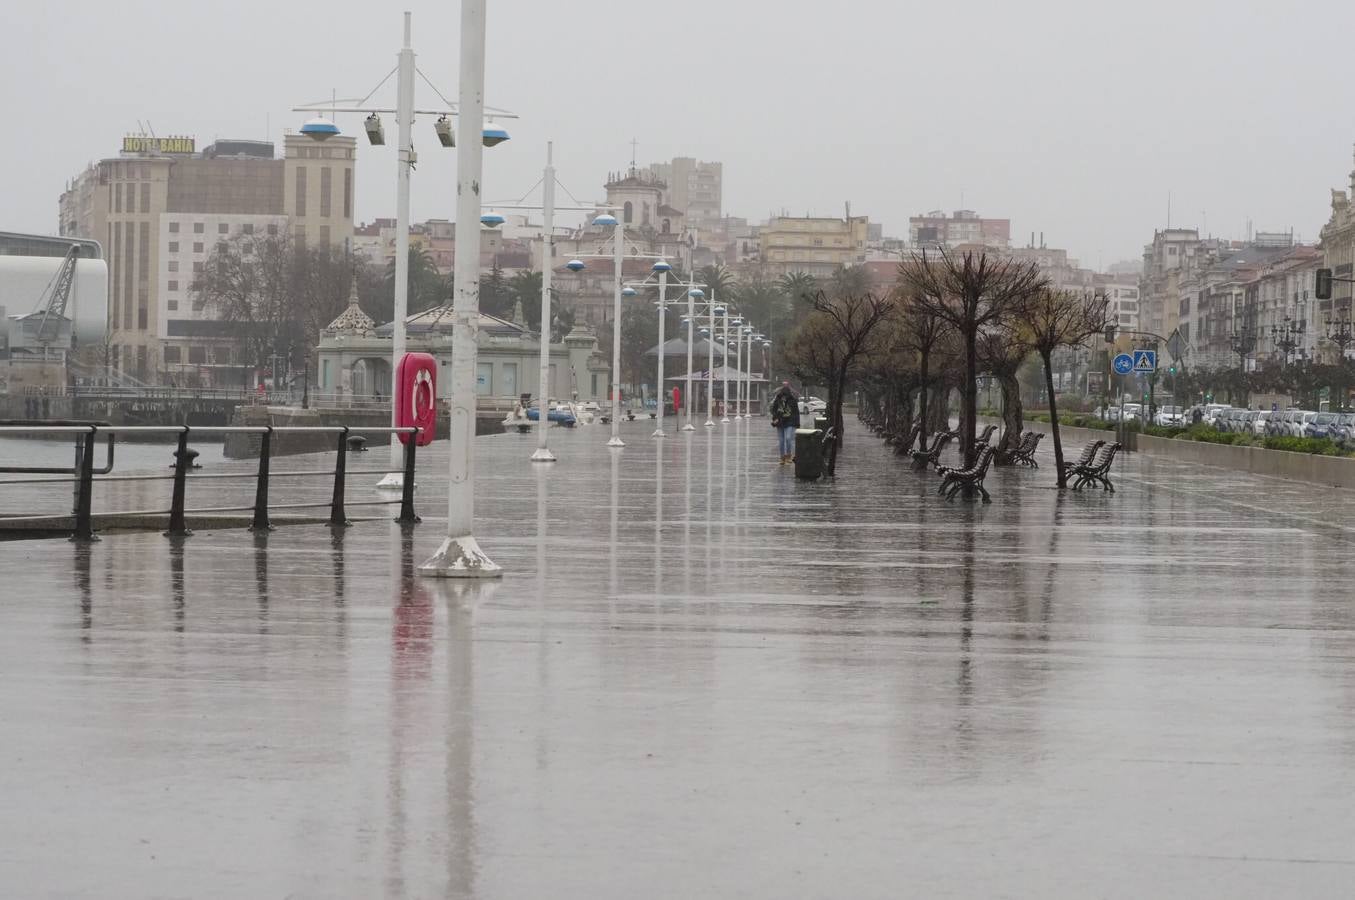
[[698, 678]]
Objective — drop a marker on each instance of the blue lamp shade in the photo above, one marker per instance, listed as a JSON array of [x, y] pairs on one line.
[[767, 344], [737, 320], [705, 331], [661, 266], [606, 220], [719, 310], [629, 292], [493, 135], [320, 129], [696, 293], [575, 265], [491, 220]]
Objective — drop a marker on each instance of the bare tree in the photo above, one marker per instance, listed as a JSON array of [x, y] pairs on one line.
[[833, 339], [1056, 319], [972, 292], [1001, 353], [921, 332]]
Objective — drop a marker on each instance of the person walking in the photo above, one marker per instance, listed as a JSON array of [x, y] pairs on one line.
[[785, 412]]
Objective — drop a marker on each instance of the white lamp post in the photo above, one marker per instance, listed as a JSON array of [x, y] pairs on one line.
[[724, 387], [460, 555], [715, 311], [321, 129], [543, 453], [618, 258], [662, 267], [693, 295]]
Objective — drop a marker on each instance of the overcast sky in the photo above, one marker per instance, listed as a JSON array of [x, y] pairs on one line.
[[1072, 118]]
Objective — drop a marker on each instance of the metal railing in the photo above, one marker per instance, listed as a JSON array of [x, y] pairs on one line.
[[84, 475]]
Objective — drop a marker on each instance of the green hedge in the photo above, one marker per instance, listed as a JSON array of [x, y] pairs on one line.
[[1319, 446]]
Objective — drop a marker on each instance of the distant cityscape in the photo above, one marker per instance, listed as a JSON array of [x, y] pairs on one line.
[[159, 207]]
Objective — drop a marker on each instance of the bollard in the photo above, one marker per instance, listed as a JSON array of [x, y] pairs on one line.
[[261, 522], [183, 461], [336, 511], [357, 444], [84, 528], [407, 516]]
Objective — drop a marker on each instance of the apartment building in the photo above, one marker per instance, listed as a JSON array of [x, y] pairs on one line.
[[817, 246], [123, 201]]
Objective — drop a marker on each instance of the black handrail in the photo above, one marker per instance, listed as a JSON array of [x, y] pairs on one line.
[[87, 435]]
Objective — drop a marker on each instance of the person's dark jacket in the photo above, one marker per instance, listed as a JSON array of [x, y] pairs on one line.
[[785, 409]]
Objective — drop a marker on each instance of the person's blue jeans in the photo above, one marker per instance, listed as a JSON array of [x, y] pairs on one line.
[[786, 438]]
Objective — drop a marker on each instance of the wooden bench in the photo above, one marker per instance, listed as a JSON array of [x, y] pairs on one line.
[[1097, 471], [1025, 453], [924, 458], [969, 478], [1085, 459], [904, 445]]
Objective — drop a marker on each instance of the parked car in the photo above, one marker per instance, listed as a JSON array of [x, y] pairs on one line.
[[1133, 412], [1320, 425], [1215, 416], [816, 405], [1298, 422], [1275, 424], [1260, 422], [1168, 416], [1343, 430]]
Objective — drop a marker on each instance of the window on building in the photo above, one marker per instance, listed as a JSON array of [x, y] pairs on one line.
[[197, 356], [300, 203], [272, 229], [172, 305], [117, 197], [172, 355], [145, 197], [173, 227], [326, 183], [174, 265], [818, 242], [173, 246], [198, 304], [1171, 251], [197, 228], [222, 356], [197, 246], [173, 284], [141, 318], [324, 235], [626, 212], [197, 268], [247, 228], [348, 192], [222, 228], [667, 226]]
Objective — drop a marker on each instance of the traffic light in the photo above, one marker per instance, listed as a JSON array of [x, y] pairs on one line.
[[1110, 334], [1171, 370], [1323, 284]]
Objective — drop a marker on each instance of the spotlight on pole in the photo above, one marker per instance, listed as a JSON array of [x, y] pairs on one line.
[[446, 135], [376, 132]]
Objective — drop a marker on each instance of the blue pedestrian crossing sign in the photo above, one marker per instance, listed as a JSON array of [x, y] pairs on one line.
[[1123, 364], [1145, 361]]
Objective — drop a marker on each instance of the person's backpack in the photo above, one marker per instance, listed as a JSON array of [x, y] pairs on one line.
[[781, 408]]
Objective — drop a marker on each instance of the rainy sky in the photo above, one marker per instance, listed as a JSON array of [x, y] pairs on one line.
[[1075, 119]]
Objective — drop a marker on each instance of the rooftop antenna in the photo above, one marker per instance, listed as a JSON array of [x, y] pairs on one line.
[[633, 145]]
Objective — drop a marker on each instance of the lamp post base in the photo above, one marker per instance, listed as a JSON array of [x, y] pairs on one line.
[[460, 557], [659, 432], [725, 420], [391, 481], [689, 427], [710, 423], [543, 455], [616, 442]]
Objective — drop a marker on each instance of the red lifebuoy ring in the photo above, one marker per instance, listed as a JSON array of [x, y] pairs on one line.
[[416, 396]]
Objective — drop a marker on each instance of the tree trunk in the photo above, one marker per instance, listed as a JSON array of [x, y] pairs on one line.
[[1054, 420], [969, 398], [922, 396], [835, 420], [1012, 413]]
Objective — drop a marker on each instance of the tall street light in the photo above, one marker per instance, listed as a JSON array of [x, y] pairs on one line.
[[693, 294], [548, 208], [321, 129], [715, 312], [724, 369], [460, 555], [662, 267]]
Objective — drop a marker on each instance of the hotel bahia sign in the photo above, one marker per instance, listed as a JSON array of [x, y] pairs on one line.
[[137, 143]]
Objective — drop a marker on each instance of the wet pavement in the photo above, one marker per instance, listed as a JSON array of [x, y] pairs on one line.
[[698, 678]]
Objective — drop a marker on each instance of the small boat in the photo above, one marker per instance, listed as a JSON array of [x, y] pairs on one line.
[[558, 416]]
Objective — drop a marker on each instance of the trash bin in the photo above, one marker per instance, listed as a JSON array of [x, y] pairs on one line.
[[808, 453], [821, 423]]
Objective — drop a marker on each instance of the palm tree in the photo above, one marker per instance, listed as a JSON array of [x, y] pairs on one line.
[[719, 281], [799, 287], [426, 285]]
